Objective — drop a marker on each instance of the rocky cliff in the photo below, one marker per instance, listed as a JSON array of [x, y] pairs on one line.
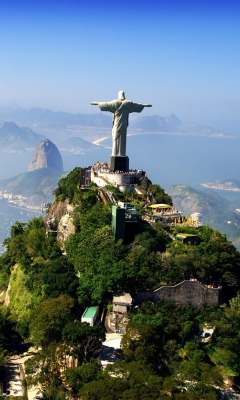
[[46, 155], [59, 220]]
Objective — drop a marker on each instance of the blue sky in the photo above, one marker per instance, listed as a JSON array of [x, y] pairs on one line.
[[183, 57]]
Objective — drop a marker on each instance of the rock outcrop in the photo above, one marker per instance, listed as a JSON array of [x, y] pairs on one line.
[[46, 155], [59, 220], [66, 226]]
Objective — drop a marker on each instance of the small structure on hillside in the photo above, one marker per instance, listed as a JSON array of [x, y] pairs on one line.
[[121, 303], [123, 214], [188, 238], [166, 213], [197, 219], [90, 315], [207, 333]]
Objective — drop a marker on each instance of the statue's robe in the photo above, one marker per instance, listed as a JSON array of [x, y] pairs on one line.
[[121, 110]]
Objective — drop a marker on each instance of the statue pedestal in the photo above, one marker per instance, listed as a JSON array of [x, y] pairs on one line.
[[118, 163]]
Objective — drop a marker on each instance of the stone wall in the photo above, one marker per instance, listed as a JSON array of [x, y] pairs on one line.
[[186, 292], [121, 180], [191, 292]]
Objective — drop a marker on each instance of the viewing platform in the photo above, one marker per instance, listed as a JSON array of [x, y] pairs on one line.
[[125, 181], [163, 213]]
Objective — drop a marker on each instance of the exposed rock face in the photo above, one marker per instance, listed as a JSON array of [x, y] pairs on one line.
[[65, 226], [46, 155], [59, 219]]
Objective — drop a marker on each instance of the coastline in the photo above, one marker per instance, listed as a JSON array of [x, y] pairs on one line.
[[25, 208], [220, 187]]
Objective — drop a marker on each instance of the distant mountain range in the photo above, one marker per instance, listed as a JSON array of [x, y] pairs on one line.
[[77, 145], [155, 123], [218, 212], [42, 119], [16, 140], [41, 116]]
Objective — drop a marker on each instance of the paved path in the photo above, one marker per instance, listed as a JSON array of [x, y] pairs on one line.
[[108, 354], [13, 380]]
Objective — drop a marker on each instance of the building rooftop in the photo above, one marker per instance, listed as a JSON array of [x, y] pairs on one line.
[[123, 298], [90, 312], [186, 235], [160, 206]]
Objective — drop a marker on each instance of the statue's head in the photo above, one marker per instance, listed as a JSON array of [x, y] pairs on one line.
[[121, 95]]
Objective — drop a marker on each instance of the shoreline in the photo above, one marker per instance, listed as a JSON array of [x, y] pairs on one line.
[[25, 208], [220, 188]]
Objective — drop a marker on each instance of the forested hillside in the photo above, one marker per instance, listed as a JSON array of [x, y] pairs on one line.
[[163, 354], [217, 212]]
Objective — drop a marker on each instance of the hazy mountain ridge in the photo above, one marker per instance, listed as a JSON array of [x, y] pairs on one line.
[[215, 214], [155, 123], [16, 139], [46, 119], [76, 144], [45, 116]]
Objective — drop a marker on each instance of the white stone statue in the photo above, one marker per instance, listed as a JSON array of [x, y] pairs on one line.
[[121, 109]]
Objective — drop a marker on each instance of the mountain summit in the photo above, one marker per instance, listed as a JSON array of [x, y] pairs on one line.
[[46, 155]]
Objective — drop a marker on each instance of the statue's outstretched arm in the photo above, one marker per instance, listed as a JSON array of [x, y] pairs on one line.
[[94, 103]]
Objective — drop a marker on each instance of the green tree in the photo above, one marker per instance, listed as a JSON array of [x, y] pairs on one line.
[[100, 264], [142, 343], [84, 341], [76, 378], [58, 278], [45, 370], [49, 318], [126, 381], [69, 187], [159, 194]]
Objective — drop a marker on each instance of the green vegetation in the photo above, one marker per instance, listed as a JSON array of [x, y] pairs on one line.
[[216, 211], [159, 195], [214, 259], [119, 196], [69, 187], [164, 355]]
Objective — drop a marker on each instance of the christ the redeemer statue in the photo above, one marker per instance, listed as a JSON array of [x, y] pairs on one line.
[[121, 109]]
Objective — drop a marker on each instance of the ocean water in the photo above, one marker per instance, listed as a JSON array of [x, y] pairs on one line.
[[191, 160], [9, 214], [167, 159]]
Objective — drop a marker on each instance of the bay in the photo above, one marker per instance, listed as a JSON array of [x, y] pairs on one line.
[[9, 214]]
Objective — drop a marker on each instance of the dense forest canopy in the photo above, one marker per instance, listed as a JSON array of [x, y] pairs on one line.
[[162, 349]]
